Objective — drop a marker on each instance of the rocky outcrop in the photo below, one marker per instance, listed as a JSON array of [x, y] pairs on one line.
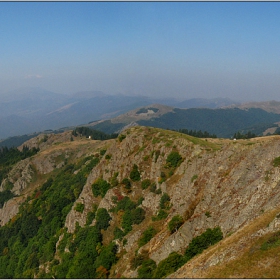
[[219, 182]]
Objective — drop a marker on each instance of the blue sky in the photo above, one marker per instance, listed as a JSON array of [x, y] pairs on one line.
[[168, 49]]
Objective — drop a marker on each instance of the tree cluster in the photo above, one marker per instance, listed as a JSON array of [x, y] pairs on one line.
[[248, 135], [198, 134], [95, 134]]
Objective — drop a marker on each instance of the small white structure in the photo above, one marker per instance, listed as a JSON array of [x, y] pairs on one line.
[[89, 137]]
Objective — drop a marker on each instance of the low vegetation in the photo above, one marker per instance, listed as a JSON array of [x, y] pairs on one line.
[[175, 223], [146, 236]]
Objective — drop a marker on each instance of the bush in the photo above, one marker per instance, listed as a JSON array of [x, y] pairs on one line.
[[272, 241], [153, 187], [91, 215], [107, 257], [168, 265], [276, 162], [203, 241], [102, 219], [175, 223], [114, 181], [5, 196], [125, 204], [146, 236], [160, 216], [100, 187], [162, 177], [194, 177], [145, 184], [135, 174], [108, 156], [118, 233], [138, 215], [135, 216], [174, 159], [127, 222], [164, 201], [127, 184], [138, 259], [79, 207], [121, 137], [145, 271]]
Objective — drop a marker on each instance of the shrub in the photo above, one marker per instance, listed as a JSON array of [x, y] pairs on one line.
[[102, 219], [107, 257], [135, 216], [164, 201], [194, 177], [114, 181], [121, 137], [125, 204], [108, 156], [127, 184], [138, 215], [140, 200], [273, 241], [127, 222], [145, 158], [162, 177], [174, 159], [157, 153], [203, 241], [207, 214], [135, 174], [276, 162], [146, 236], [145, 184], [153, 187], [5, 196], [100, 187], [138, 259], [90, 217], [79, 207], [168, 265], [118, 233], [160, 216], [145, 271], [175, 223]]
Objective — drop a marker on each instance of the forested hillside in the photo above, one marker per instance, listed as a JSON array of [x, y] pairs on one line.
[[149, 203], [220, 122]]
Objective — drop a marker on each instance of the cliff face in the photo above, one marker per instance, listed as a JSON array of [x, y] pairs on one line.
[[217, 183]]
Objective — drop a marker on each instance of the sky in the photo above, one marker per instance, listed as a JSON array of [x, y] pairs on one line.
[[158, 49]]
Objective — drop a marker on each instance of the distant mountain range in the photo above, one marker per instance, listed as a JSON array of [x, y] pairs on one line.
[[223, 122], [28, 110]]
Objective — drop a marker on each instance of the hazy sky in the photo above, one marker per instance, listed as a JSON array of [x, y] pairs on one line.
[[177, 49]]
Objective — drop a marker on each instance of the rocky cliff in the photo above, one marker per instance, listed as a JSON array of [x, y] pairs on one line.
[[233, 185]]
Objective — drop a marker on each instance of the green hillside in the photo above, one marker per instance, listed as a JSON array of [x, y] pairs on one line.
[[148, 204], [222, 122]]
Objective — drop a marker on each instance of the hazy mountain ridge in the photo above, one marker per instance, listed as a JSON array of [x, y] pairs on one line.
[[41, 109], [223, 122], [230, 184], [269, 106]]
